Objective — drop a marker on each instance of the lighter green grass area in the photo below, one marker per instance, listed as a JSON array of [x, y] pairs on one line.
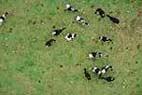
[[24, 60]]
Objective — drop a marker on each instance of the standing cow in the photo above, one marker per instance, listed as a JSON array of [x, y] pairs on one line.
[[3, 18]]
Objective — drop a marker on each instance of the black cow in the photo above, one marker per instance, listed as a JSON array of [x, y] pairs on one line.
[[108, 79], [87, 75], [113, 19], [105, 39], [85, 23], [49, 42], [57, 32], [100, 12]]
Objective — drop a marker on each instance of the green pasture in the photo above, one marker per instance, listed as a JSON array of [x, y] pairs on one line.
[[27, 67]]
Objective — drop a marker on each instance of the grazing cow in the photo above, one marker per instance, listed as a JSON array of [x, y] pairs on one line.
[[3, 17], [113, 19], [108, 79], [96, 70], [101, 71], [105, 39], [100, 12], [57, 32], [49, 42], [81, 20], [70, 8], [94, 55], [70, 36], [105, 69], [87, 75]]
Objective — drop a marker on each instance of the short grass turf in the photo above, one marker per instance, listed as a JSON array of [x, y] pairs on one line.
[[28, 68]]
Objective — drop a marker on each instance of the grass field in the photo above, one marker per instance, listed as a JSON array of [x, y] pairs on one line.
[[28, 68]]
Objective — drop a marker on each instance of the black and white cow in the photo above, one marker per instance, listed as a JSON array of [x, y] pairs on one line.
[[70, 36], [50, 42], [94, 55], [100, 12], [57, 32], [105, 39], [113, 19], [108, 79], [81, 20], [105, 69], [101, 71], [86, 74], [70, 8], [3, 18], [96, 71]]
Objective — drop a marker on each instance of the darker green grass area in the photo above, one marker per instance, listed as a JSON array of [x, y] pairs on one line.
[[27, 67]]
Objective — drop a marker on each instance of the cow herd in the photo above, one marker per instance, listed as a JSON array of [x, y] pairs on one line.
[[101, 72]]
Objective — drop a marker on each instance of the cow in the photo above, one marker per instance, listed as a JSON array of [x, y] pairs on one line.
[[113, 19], [70, 36], [106, 68], [50, 42], [70, 8], [101, 71], [108, 79], [3, 18], [94, 55], [57, 32], [81, 20], [105, 39], [100, 12], [96, 71], [87, 75]]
